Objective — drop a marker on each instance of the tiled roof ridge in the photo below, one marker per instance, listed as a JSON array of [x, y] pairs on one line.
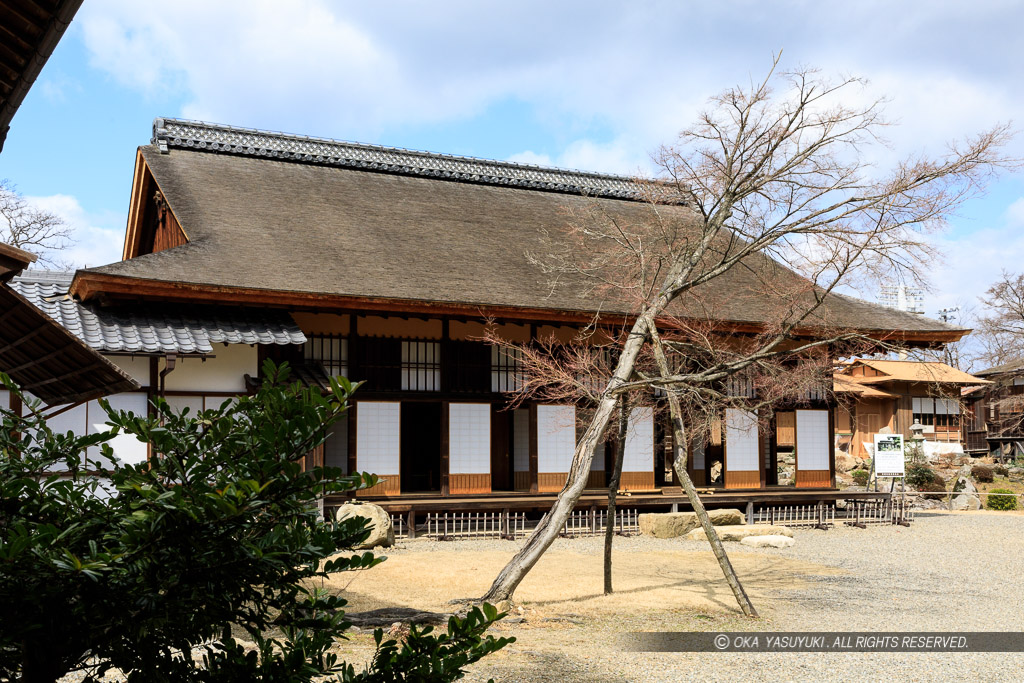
[[200, 135]]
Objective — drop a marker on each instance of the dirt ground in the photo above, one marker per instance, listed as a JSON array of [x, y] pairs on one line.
[[566, 581], [937, 576]]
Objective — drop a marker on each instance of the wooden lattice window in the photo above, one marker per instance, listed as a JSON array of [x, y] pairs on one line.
[[739, 386], [421, 366], [506, 369], [331, 351]]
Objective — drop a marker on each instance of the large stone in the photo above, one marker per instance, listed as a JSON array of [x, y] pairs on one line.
[[673, 524], [381, 532], [740, 531], [770, 541], [845, 462], [967, 497]]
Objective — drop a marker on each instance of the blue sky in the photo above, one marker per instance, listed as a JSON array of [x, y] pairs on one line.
[[593, 85]]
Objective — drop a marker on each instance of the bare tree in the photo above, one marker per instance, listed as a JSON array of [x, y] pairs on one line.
[[1000, 324], [765, 182], [30, 228]]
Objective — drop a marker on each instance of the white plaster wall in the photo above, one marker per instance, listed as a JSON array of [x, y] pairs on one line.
[[378, 429], [136, 367], [179, 403], [521, 440], [741, 441], [5, 399], [224, 372], [812, 439], [469, 438], [127, 448], [556, 437], [639, 454]]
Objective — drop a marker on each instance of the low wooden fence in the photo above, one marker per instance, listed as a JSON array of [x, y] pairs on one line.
[[449, 526], [858, 513], [593, 522]]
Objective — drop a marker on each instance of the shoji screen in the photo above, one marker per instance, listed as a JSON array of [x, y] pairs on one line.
[[556, 442], [812, 448], [378, 443], [521, 448], [469, 447], [638, 460], [742, 449]]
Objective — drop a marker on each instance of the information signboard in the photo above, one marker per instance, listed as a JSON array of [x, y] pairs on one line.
[[889, 460]]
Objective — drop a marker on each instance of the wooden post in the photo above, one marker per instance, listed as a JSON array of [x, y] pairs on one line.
[[154, 378], [832, 447], [412, 523], [534, 488], [750, 512], [353, 460], [445, 464]]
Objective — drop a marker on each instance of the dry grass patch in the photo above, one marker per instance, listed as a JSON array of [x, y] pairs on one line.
[[571, 582]]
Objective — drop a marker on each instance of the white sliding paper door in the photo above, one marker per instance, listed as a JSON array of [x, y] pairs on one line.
[[556, 443], [638, 458], [469, 447], [742, 450], [813, 447], [378, 442]]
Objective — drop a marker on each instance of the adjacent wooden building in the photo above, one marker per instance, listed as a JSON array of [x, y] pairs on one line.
[[994, 413], [894, 395]]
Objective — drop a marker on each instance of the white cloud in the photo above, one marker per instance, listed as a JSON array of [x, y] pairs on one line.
[[96, 239], [641, 71], [974, 261]]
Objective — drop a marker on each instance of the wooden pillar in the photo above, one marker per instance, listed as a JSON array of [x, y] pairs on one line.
[[445, 464], [832, 447], [534, 487], [353, 461], [411, 523], [154, 379]]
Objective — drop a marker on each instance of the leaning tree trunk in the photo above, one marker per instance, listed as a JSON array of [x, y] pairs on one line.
[[679, 457], [613, 487], [547, 530]]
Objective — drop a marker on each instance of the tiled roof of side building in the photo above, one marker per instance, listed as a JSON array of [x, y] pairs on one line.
[[153, 329]]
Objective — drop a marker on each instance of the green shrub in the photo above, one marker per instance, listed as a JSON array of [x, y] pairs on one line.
[[982, 474], [1000, 470], [860, 477], [1004, 502], [934, 489], [918, 474], [218, 536]]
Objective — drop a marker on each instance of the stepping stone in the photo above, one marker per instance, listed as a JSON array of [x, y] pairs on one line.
[[738, 532], [672, 524], [768, 541]]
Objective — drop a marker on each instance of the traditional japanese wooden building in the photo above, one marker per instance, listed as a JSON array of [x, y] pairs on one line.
[[893, 395], [994, 413], [383, 265]]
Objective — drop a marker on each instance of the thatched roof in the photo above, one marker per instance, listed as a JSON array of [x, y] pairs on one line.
[[281, 214]]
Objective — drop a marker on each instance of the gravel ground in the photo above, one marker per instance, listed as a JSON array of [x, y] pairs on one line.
[[949, 572]]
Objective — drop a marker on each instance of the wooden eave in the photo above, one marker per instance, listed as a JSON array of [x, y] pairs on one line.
[[88, 285], [47, 360], [29, 32], [143, 184], [13, 260]]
